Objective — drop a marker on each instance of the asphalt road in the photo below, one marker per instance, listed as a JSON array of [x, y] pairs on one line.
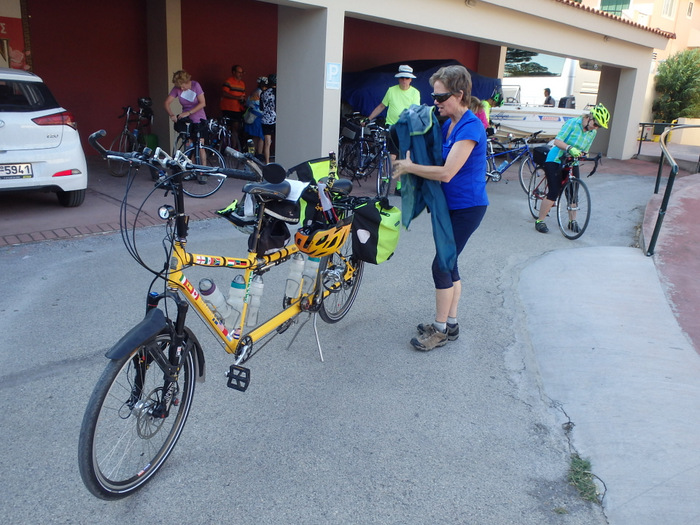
[[377, 434]]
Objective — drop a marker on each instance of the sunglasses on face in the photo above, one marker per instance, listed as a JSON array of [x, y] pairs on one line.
[[592, 121], [441, 97]]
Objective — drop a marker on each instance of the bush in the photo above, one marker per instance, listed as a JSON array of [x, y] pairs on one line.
[[678, 87]]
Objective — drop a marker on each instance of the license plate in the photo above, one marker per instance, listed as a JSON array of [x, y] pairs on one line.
[[16, 171]]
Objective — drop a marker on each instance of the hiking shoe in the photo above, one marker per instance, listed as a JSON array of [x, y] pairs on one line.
[[574, 227], [541, 227], [452, 330], [431, 338]]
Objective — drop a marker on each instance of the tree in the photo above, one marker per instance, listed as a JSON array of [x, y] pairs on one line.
[[678, 87], [519, 64]]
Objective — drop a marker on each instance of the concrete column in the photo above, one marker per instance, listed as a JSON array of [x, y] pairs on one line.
[[308, 108], [164, 58], [622, 91]]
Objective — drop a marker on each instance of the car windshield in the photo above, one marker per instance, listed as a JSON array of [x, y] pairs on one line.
[[21, 96]]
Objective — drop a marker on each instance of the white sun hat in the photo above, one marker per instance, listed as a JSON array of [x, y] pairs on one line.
[[405, 72]]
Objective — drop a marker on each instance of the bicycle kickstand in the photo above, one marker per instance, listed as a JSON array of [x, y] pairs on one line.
[[318, 340]]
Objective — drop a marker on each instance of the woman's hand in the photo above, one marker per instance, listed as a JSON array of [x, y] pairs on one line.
[[402, 166]]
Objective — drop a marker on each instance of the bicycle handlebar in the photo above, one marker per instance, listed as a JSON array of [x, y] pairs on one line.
[[598, 159], [162, 159]]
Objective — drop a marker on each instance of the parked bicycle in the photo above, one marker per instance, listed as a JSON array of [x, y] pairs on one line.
[[133, 136], [140, 404], [221, 138], [362, 151], [573, 205], [500, 157], [199, 183]]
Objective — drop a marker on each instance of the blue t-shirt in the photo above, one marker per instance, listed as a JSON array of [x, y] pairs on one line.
[[468, 187]]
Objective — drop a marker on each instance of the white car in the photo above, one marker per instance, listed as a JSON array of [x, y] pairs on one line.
[[39, 143]]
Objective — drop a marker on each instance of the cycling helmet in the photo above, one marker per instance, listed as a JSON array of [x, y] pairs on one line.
[[319, 240], [601, 115], [497, 98]]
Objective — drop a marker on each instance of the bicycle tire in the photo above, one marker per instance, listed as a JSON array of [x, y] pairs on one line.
[[344, 152], [124, 143], [180, 143], [527, 168], [198, 184], [341, 272], [574, 203], [536, 191], [384, 176], [122, 445]]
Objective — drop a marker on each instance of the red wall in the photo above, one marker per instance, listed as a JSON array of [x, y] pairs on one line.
[[220, 33], [92, 55], [368, 44]]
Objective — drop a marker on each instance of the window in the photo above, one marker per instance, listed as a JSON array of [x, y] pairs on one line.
[[614, 7], [668, 8]]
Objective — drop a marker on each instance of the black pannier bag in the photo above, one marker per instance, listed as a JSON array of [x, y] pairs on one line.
[[375, 230]]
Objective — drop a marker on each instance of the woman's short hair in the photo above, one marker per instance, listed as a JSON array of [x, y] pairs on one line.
[[456, 79], [180, 77]]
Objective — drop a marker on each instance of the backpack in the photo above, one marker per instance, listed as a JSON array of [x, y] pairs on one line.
[[375, 230]]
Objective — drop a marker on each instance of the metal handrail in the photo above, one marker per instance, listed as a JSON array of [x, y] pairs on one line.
[[669, 185], [642, 138]]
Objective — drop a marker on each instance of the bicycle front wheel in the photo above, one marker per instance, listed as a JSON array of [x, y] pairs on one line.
[[347, 159], [527, 168], [574, 208], [384, 176], [341, 274], [124, 143], [200, 184], [132, 424], [536, 191]]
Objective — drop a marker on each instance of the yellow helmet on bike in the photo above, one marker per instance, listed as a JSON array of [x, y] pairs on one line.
[[601, 115], [319, 240]]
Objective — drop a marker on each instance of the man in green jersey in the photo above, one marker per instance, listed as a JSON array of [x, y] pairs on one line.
[[396, 99]]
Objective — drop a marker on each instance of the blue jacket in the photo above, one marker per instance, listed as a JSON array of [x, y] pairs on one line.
[[418, 130]]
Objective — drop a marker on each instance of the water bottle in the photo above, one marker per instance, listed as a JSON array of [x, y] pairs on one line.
[[296, 269], [256, 291], [216, 301], [310, 272], [502, 167], [236, 296], [251, 146]]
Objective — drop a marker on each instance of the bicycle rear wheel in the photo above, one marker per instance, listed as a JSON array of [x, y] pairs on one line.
[[347, 159], [341, 274], [131, 425], [199, 184], [124, 143], [384, 176], [574, 208], [527, 168], [536, 191]]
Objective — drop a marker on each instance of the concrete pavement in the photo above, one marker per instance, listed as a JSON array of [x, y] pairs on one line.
[[617, 355]]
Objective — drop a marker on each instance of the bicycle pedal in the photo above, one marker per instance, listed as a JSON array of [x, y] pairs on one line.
[[238, 378]]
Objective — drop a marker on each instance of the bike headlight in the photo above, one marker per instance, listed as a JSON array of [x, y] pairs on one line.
[[166, 211]]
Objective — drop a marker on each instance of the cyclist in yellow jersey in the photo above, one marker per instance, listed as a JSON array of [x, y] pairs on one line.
[[396, 99]]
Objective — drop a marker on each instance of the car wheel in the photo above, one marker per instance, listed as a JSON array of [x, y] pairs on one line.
[[71, 199]]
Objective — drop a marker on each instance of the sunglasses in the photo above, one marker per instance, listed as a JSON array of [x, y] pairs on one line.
[[595, 124], [441, 97]]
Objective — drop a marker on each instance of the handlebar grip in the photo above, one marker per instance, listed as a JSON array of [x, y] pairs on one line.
[[92, 140]]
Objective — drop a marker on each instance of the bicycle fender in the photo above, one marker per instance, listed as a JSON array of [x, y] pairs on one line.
[[152, 324]]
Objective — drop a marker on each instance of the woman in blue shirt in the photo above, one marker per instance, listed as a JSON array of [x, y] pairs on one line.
[[464, 184]]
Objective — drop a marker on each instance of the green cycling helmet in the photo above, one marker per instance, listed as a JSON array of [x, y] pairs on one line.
[[601, 115], [497, 98]]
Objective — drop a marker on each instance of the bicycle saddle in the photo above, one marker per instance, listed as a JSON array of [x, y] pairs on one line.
[[266, 190]]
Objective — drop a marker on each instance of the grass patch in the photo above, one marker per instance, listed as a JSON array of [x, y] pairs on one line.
[[580, 476]]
